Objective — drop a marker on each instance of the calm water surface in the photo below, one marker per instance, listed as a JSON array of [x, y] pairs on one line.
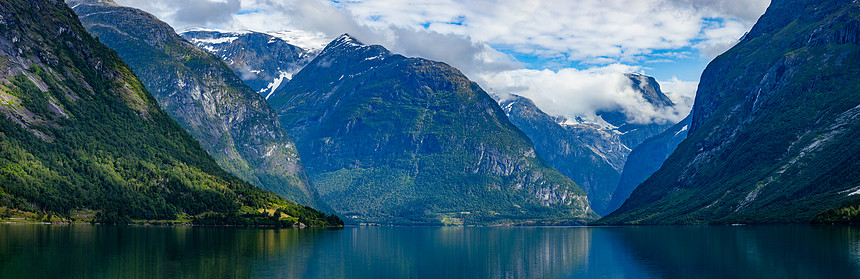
[[85, 251]]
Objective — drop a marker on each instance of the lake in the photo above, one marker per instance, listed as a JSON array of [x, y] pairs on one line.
[[87, 251]]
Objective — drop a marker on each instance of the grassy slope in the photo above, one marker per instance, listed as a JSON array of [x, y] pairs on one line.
[[116, 151], [402, 140], [242, 133]]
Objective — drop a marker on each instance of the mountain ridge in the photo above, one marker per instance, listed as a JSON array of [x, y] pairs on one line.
[[234, 124], [773, 127], [592, 154], [413, 141], [82, 138], [264, 61], [646, 159]]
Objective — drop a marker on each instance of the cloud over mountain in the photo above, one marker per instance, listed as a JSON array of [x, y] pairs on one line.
[[508, 44]]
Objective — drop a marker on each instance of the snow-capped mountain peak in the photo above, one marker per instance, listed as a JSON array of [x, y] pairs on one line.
[[264, 60]]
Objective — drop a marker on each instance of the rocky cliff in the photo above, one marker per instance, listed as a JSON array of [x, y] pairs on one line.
[[774, 126], [234, 124]]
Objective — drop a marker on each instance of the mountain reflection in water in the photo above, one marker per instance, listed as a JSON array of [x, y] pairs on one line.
[[85, 251]]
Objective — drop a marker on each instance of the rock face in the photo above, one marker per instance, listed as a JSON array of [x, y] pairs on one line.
[[235, 125], [590, 154], [646, 159], [78, 131], [265, 61], [773, 134], [401, 140]]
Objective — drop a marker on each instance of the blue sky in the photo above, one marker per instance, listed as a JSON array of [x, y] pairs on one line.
[[685, 67], [569, 56]]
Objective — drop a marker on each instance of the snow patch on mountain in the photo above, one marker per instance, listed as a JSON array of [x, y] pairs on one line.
[[682, 130], [590, 120], [310, 41], [854, 191], [218, 41], [202, 29], [276, 83], [374, 57]]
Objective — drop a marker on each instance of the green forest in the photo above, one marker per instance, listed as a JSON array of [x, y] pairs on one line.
[[95, 145]]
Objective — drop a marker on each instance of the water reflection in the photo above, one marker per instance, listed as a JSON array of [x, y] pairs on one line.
[[83, 251], [386, 252], [745, 252]]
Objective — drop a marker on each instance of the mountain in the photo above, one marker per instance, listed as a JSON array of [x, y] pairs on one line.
[[234, 124], [82, 138], [591, 153], [773, 134], [630, 133], [565, 149], [646, 159], [391, 139], [265, 61]]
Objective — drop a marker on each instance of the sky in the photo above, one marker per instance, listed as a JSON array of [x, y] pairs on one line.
[[568, 56]]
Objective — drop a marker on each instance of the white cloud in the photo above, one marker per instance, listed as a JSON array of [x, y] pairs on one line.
[[720, 38], [584, 30], [683, 93], [747, 11], [571, 93], [593, 31], [480, 37]]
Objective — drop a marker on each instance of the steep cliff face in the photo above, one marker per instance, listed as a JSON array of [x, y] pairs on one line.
[[234, 124], [79, 132], [265, 61], [646, 159], [405, 140], [774, 126], [590, 154]]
